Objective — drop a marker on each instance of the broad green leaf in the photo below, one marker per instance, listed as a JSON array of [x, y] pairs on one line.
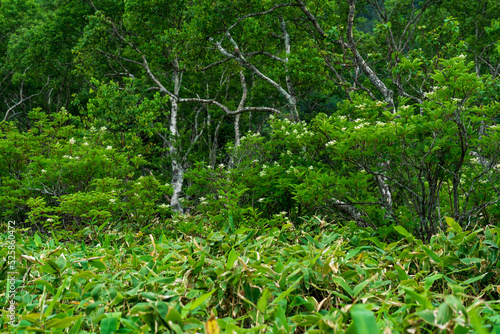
[[75, 329], [231, 259], [340, 281], [109, 325], [358, 288], [431, 279], [98, 264], [38, 240], [470, 260], [401, 230], [201, 299], [363, 319], [61, 323], [262, 303], [454, 225], [432, 255], [474, 279]]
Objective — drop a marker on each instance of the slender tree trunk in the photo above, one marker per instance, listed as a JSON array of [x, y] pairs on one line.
[[177, 167]]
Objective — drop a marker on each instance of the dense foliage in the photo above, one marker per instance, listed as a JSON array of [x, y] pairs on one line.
[[328, 279], [300, 165]]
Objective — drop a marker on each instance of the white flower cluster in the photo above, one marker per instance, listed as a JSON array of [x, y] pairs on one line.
[[361, 106], [43, 171], [108, 148], [70, 157], [361, 125], [112, 200], [475, 161], [331, 143], [262, 173], [261, 200], [164, 206], [72, 141], [304, 134], [292, 170], [404, 107], [462, 56], [103, 129], [256, 134]]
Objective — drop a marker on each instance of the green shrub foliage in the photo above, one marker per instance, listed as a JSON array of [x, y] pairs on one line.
[[57, 176], [437, 158]]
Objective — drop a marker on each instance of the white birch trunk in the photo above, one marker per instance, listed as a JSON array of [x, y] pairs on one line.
[[177, 167]]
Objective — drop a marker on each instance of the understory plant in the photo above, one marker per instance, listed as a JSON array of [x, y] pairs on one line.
[[55, 176]]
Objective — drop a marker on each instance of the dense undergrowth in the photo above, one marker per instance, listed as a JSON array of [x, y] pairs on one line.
[[326, 279]]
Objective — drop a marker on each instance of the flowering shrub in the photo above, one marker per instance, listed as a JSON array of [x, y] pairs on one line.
[[56, 175], [412, 167]]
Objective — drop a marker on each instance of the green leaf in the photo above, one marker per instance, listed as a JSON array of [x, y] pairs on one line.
[[52, 264], [98, 264], [262, 303], [363, 319], [470, 260], [201, 299], [231, 259], [340, 281], [474, 279], [358, 288], [422, 300], [284, 294], [75, 329], [38, 240], [431, 279], [454, 225], [432, 255], [109, 325], [401, 230], [61, 323]]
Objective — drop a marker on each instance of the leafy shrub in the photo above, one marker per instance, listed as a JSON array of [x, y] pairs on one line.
[[57, 176], [411, 168]]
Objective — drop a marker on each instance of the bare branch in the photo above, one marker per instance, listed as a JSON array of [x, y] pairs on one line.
[[255, 14], [311, 17], [374, 79], [217, 63], [24, 99]]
